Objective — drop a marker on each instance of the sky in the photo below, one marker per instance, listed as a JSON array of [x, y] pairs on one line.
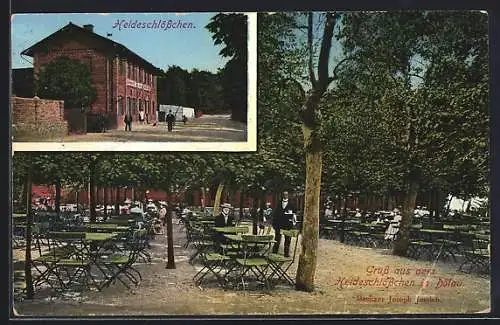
[[186, 47]]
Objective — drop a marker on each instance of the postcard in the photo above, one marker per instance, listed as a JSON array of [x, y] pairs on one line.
[[368, 194]]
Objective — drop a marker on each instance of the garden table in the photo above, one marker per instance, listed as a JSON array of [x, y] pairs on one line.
[[106, 227], [231, 230], [250, 256]]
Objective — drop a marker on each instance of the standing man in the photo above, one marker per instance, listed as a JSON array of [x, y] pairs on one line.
[[170, 120], [283, 218], [128, 122]]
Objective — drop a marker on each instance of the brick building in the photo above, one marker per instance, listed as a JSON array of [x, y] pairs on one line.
[[124, 81]]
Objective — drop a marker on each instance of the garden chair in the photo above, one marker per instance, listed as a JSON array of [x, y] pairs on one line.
[[280, 264], [202, 243], [255, 249], [76, 265], [121, 264], [478, 257], [214, 264], [421, 248]]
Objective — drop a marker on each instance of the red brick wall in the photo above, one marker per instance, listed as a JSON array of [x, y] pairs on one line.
[[39, 112], [69, 196]]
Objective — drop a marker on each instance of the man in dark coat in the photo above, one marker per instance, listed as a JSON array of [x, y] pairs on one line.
[[224, 219], [170, 121], [283, 218], [128, 122]]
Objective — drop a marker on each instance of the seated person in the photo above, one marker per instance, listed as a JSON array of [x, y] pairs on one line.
[[225, 218]]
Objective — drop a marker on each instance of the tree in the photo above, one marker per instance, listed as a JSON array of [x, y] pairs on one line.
[[66, 79], [231, 30], [424, 82], [309, 115]]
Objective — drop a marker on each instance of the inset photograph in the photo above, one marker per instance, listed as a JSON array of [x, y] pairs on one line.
[[147, 78]]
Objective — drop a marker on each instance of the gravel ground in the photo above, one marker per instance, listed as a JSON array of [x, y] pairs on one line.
[[172, 292], [216, 128]]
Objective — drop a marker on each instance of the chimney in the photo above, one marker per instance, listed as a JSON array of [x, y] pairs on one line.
[[89, 27]]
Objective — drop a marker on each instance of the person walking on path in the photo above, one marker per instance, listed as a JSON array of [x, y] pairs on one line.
[[141, 116], [128, 122], [170, 121]]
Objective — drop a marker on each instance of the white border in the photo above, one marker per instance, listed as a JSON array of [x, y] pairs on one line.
[[249, 145]]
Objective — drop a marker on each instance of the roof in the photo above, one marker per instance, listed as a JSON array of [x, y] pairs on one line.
[[119, 49]]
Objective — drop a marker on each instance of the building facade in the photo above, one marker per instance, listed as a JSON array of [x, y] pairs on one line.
[[124, 81]]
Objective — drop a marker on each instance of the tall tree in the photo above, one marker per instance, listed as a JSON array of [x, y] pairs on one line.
[[425, 82], [231, 30]]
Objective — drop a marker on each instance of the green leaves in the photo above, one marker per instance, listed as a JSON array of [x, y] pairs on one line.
[[66, 79], [231, 30]]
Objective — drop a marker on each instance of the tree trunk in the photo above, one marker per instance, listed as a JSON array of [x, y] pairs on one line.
[[242, 202], [255, 204], [203, 197], [310, 228], [30, 292], [170, 238], [22, 195], [401, 243], [218, 195], [93, 214], [117, 201], [58, 198], [105, 203]]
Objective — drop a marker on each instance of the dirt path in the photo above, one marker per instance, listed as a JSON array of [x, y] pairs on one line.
[[172, 292], [208, 128]]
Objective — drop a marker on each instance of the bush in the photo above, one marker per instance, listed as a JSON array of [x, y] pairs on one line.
[[96, 123]]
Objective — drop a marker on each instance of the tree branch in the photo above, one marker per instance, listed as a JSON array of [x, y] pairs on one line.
[[324, 54], [415, 75], [332, 78], [312, 77]]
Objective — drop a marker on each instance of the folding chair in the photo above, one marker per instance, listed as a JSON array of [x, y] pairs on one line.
[[477, 258], [279, 264], [121, 265], [142, 245], [76, 265], [202, 243], [45, 264], [213, 263], [255, 249]]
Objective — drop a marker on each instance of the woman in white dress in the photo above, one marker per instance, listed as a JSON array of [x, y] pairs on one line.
[[393, 228]]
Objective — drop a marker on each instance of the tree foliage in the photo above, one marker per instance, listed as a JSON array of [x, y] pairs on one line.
[[230, 30], [66, 79]]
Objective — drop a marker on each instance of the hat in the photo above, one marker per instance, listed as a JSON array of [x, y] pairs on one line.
[[226, 205]]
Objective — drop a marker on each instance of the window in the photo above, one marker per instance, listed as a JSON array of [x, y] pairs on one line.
[[122, 67], [89, 62]]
